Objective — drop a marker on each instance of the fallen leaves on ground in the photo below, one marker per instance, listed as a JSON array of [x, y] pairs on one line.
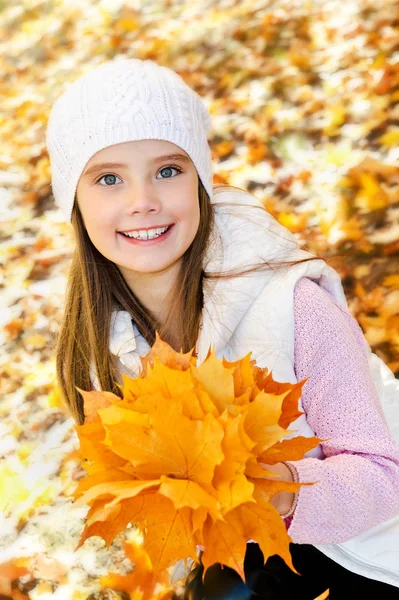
[[304, 104]]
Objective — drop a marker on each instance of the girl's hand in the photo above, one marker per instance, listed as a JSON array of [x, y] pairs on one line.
[[282, 501]]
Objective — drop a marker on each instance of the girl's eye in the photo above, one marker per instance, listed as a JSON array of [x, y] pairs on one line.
[[109, 180], [168, 171]]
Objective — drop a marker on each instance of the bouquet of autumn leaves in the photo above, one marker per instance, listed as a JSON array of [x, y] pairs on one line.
[[180, 457]]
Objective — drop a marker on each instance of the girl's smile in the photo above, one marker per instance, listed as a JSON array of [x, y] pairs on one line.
[[147, 236]]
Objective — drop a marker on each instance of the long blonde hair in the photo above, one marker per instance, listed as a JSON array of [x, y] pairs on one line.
[[96, 286]]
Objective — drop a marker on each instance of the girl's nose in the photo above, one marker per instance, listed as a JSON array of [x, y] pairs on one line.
[[142, 199]]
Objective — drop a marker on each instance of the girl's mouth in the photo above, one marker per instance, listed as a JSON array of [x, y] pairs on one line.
[[147, 237]]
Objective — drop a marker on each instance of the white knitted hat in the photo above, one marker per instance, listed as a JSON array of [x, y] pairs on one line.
[[124, 100]]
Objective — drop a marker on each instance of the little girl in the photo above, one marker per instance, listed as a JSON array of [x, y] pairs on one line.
[[159, 248]]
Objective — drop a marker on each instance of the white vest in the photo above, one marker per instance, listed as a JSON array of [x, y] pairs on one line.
[[255, 313]]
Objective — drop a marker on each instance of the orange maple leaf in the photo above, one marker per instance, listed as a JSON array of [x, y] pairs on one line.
[[143, 583], [10, 572], [181, 456]]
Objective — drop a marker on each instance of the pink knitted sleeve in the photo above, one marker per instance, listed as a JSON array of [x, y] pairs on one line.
[[358, 481]]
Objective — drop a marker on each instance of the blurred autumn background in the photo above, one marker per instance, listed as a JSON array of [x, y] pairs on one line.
[[304, 98]]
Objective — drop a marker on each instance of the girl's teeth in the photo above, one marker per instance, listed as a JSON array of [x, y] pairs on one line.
[[149, 234]]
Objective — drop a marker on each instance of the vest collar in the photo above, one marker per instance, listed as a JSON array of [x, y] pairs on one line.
[[245, 234], [231, 247]]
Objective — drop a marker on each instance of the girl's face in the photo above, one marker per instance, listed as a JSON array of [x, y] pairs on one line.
[[139, 203]]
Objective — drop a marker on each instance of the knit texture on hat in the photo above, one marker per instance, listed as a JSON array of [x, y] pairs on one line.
[[124, 100]]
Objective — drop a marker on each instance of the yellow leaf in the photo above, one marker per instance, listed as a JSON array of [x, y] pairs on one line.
[[164, 353], [55, 399], [216, 380], [223, 148], [18, 498], [12, 488], [142, 579], [120, 490], [235, 492], [295, 448], [127, 24], [391, 281], [390, 139], [264, 432], [229, 481], [94, 401], [293, 221], [95, 454], [183, 493], [292, 391], [168, 443], [24, 450], [10, 571], [335, 116], [265, 489], [243, 374], [264, 525], [100, 511], [198, 518], [168, 535], [224, 543], [236, 447], [97, 478], [371, 196], [107, 526]]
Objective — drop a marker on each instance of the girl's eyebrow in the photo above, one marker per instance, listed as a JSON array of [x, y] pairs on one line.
[[101, 166], [181, 157], [165, 157]]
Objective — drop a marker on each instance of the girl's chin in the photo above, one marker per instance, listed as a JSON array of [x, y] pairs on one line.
[[144, 268]]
